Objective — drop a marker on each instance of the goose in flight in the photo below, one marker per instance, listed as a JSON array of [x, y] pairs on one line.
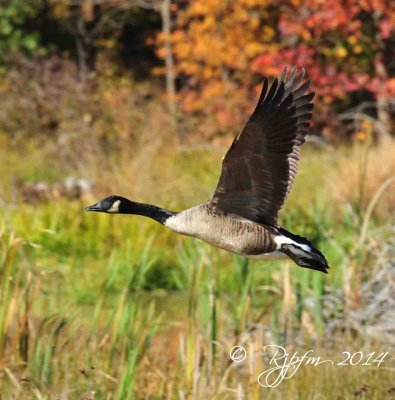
[[257, 174]]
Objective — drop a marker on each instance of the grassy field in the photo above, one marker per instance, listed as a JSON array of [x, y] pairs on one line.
[[94, 306]]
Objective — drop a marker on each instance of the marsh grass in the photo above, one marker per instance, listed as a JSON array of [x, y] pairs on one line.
[[113, 307]]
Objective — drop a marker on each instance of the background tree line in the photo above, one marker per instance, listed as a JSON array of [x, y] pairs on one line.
[[213, 54]]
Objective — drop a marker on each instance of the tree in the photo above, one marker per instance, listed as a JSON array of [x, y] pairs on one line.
[[93, 25], [223, 47], [15, 36]]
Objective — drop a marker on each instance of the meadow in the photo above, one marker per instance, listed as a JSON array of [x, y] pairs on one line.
[[94, 306], [142, 99]]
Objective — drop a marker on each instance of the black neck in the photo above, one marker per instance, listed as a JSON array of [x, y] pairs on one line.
[[147, 210]]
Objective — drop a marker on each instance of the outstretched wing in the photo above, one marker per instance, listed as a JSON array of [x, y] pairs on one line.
[[260, 166]]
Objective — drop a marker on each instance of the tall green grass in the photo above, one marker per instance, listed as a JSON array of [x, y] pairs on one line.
[[116, 307]]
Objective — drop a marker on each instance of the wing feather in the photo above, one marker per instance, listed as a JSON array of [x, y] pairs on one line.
[[260, 166]]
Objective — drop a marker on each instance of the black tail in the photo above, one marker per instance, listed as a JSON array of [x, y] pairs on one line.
[[300, 250]]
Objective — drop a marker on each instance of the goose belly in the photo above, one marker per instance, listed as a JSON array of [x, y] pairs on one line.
[[235, 235], [274, 255]]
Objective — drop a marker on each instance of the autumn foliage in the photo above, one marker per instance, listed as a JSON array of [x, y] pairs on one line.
[[213, 54], [223, 48]]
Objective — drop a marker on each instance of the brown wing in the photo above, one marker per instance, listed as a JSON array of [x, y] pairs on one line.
[[260, 166]]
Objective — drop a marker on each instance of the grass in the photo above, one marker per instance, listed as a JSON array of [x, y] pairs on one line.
[[109, 307]]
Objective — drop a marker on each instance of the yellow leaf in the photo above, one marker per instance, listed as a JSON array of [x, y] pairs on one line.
[[341, 52], [360, 136], [357, 49]]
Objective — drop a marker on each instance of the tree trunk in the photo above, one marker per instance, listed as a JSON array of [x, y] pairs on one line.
[[169, 62], [383, 116]]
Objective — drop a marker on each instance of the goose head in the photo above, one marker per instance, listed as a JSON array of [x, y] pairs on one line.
[[111, 205]]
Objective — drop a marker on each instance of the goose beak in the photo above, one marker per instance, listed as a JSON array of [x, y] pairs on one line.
[[95, 207]]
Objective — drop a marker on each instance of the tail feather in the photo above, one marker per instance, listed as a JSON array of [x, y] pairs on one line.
[[301, 251]]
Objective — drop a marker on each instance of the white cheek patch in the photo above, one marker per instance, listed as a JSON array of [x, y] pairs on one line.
[[115, 207]]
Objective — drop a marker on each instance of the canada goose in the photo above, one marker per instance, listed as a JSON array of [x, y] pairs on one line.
[[257, 174]]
